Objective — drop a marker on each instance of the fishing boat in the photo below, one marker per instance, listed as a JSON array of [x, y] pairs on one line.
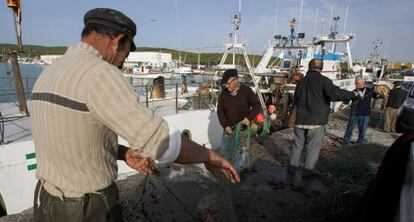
[[294, 55], [373, 69]]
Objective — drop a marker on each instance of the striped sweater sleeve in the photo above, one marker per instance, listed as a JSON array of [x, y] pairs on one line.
[[112, 102]]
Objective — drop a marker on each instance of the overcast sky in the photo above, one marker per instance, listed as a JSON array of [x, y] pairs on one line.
[[192, 24]]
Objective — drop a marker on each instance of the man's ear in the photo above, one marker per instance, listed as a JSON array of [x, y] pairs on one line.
[[116, 42]]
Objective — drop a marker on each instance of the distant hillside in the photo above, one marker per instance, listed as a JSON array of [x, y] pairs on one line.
[[35, 50], [186, 57]]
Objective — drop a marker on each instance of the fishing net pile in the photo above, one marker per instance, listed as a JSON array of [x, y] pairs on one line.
[[203, 98]]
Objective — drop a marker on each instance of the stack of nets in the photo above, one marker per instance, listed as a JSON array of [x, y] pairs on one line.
[[203, 98], [234, 146]]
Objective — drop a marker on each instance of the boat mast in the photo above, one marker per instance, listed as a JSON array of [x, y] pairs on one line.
[[236, 25], [178, 32], [276, 17], [375, 52], [330, 17], [300, 17], [233, 45], [15, 5], [346, 17], [315, 22]]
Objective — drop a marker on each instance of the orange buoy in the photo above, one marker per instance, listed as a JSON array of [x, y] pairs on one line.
[[259, 118]]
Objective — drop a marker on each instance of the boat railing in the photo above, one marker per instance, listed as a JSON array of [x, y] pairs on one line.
[[8, 92], [183, 101]]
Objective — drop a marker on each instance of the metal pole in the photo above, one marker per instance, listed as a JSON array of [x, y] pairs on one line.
[[315, 22], [300, 17], [19, 85], [18, 33], [176, 98], [276, 17], [146, 96], [346, 17], [27, 86]]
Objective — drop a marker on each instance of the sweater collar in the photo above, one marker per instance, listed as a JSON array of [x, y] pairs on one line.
[[84, 47], [361, 92]]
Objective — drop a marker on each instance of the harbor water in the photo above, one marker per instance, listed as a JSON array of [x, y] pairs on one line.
[[30, 73]]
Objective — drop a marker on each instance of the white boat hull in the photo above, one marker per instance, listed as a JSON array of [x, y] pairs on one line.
[[18, 162]]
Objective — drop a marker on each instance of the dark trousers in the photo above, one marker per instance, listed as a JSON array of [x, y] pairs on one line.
[[362, 122], [100, 206]]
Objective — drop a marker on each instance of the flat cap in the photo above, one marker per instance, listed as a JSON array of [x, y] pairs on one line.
[[227, 75], [114, 19]]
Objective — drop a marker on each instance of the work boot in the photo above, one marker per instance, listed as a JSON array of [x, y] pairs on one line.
[[308, 173], [292, 169]]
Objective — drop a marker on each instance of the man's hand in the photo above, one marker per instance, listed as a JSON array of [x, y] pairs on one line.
[[342, 106], [246, 121], [141, 164], [228, 130], [217, 164], [356, 95]]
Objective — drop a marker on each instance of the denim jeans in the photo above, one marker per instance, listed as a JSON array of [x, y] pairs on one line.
[[362, 122]]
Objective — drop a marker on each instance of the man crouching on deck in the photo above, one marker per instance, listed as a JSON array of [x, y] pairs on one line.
[[80, 104]]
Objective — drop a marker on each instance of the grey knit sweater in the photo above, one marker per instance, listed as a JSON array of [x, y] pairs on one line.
[[80, 104]]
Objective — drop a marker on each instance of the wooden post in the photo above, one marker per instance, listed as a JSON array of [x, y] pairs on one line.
[[19, 85], [158, 89]]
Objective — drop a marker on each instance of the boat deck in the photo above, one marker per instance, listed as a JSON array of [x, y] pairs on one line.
[[17, 127]]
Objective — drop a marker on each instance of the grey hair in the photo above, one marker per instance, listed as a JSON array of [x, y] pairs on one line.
[[360, 79]]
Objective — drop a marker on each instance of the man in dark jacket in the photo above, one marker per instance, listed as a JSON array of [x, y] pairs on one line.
[[312, 99], [360, 111], [394, 103]]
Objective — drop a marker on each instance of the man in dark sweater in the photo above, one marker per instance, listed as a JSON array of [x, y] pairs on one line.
[[394, 103], [237, 103], [360, 111], [312, 99]]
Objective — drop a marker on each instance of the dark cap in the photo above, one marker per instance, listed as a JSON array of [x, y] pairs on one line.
[[114, 19], [227, 75]]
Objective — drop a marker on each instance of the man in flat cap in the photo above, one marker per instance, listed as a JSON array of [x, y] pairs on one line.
[[80, 104], [236, 103]]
